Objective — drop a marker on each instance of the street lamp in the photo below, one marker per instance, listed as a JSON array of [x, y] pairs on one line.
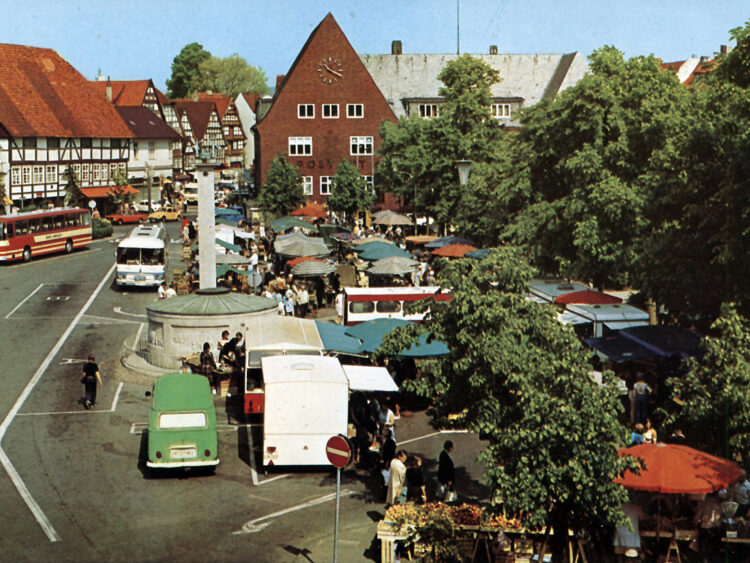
[[463, 171]]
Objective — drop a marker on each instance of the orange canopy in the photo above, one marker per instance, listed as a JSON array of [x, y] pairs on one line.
[[453, 250], [672, 468], [587, 297], [311, 209], [293, 263], [106, 191]]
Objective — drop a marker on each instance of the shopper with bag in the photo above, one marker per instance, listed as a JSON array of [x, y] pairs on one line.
[[446, 474]]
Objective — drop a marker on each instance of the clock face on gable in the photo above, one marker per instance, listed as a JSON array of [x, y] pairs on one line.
[[330, 70]]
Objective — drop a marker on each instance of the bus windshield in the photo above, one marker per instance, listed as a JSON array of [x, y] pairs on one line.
[[145, 256]]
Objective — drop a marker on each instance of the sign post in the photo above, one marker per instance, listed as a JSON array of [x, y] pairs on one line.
[[338, 452]]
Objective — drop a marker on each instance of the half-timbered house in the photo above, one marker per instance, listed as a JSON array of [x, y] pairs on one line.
[[234, 136], [201, 128], [52, 119]]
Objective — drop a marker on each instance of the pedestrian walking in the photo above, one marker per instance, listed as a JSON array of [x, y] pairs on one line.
[[642, 394], [340, 308], [208, 367], [396, 477], [446, 473], [90, 378]]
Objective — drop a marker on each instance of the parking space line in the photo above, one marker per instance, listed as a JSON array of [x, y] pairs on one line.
[[438, 433], [41, 518], [25, 300], [49, 413]]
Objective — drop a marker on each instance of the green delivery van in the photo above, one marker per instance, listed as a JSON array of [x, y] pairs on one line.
[[182, 423]]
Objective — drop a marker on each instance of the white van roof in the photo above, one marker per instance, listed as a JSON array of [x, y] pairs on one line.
[[144, 236], [288, 369]]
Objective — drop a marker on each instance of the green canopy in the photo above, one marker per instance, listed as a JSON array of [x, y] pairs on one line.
[[223, 243], [226, 212], [285, 223], [372, 245], [383, 251], [335, 339]]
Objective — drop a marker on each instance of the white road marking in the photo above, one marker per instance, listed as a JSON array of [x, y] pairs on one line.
[[41, 518], [95, 319], [90, 411], [121, 312], [66, 361], [266, 481], [433, 434], [24, 301], [263, 522]]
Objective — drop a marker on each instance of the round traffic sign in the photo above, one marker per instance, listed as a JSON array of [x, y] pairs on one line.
[[338, 451]]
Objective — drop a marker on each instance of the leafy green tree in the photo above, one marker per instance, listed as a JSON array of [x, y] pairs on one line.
[[716, 390], [522, 381], [283, 191], [232, 76], [73, 195], [120, 195], [419, 155], [3, 194], [186, 70], [349, 192], [595, 154]]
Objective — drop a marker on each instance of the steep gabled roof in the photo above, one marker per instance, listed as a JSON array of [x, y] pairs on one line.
[[198, 113], [145, 124], [221, 101], [252, 100], [531, 77], [689, 69], [42, 95], [124, 92]]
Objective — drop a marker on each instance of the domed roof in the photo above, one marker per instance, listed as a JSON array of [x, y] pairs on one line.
[[214, 301]]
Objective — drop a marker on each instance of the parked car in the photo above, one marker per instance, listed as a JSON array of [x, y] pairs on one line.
[[167, 214], [142, 205], [191, 194], [129, 217], [182, 423]]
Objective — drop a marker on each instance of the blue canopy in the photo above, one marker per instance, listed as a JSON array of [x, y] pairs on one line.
[[383, 251], [641, 342], [372, 333], [479, 254], [335, 339], [226, 212]]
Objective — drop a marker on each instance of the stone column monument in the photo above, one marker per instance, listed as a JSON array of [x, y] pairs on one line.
[[206, 220]]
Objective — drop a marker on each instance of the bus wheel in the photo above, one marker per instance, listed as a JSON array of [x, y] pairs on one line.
[[26, 254], [119, 221], [68, 246]]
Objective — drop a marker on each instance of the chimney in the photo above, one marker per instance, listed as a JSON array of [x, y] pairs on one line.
[[493, 49], [396, 47], [109, 89], [723, 49]]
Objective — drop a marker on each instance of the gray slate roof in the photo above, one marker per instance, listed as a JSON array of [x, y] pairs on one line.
[[219, 301], [531, 77]]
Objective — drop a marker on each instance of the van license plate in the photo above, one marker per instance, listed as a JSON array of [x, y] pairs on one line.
[[140, 278], [182, 453]]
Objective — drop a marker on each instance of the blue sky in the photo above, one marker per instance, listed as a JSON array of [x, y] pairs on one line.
[[137, 39]]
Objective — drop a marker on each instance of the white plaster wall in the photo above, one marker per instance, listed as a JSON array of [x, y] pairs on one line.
[[161, 163]]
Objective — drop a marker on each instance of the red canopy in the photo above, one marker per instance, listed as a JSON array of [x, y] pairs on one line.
[[671, 468], [587, 297], [453, 250], [311, 209], [293, 263]]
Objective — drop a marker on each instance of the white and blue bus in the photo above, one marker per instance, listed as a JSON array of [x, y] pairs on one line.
[[142, 257]]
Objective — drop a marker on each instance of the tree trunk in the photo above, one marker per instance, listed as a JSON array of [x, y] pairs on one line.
[[559, 543]]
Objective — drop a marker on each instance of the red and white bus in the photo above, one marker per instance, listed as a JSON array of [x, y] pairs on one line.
[[367, 303], [23, 235]]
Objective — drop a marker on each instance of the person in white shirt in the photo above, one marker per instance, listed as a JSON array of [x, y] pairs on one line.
[[742, 496], [170, 292], [303, 300], [162, 291], [254, 260], [396, 477], [340, 308]]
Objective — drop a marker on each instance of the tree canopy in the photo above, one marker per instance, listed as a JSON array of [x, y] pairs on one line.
[[232, 76], [283, 191], [186, 70], [73, 195], [349, 192], [522, 381]]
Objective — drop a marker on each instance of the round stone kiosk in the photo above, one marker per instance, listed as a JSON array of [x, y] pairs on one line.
[[178, 327]]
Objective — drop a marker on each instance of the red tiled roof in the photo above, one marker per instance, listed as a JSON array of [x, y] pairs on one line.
[[42, 95], [701, 70], [252, 100], [124, 92], [163, 100], [198, 113], [145, 124], [104, 191], [222, 101]]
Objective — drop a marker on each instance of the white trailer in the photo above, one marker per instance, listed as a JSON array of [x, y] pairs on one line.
[[306, 402]]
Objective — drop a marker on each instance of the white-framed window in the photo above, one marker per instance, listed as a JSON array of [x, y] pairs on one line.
[[428, 110], [52, 174], [26, 174], [77, 171], [38, 174], [121, 167], [360, 145], [325, 185], [355, 110], [112, 170], [15, 176], [370, 181], [237, 131], [501, 111], [305, 111], [83, 173], [300, 146], [307, 184], [226, 130], [330, 111], [97, 172]]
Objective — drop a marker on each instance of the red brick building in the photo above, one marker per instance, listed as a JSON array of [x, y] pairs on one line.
[[327, 108]]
